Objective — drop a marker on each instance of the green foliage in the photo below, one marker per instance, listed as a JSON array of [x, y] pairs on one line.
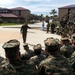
[[9, 24], [1, 21], [47, 16], [53, 12]]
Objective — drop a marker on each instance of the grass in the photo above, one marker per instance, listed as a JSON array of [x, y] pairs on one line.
[[9, 24]]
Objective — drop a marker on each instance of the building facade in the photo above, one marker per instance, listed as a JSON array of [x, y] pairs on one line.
[[21, 12], [67, 12], [18, 14]]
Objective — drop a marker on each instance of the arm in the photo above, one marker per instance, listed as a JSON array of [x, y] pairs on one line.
[[29, 27]]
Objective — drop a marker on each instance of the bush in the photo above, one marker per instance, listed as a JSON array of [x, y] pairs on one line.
[[1, 21]]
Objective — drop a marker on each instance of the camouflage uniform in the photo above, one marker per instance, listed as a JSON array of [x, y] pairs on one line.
[[17, 68], [37, 59], [72, 60], [38, 56], [52, 28], [48, 26], [13, 65], [73, 40], [1, 58], [55, 64], [66, 49], [28, 53]]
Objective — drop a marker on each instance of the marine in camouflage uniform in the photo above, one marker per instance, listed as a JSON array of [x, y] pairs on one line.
[[55, 64], [13, 65], [66, 49], [48, 25], [28, 53], [38, 55], [52, 28]]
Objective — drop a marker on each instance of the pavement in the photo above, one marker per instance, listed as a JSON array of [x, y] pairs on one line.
[[34, 36]]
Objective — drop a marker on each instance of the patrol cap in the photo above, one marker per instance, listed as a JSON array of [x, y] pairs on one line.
[[48, 39], [11, 46], [39, 46], [51, 45], [50, 42], [57, 40], [37, 49]]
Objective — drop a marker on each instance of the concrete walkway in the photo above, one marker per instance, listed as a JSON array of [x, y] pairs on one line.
[[34, 36]]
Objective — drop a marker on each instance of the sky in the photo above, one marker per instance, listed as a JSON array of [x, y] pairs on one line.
[[37, 7]]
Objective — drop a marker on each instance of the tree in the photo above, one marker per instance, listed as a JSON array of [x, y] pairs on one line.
[[1, 21], [53, 12]]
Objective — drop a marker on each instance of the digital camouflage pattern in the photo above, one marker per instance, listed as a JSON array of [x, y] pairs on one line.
[[17, 68], [27, 55], [37, 59], [67, 50], [1, 59], [55, 65], [11, 43], [72, 59]]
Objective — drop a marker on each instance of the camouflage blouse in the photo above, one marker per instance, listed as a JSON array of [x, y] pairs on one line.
[[17, 68], [55, 65]]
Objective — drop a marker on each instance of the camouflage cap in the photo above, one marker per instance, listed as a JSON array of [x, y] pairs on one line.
[[12, 46], [37, 47], [51, 45], [50, 42]]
